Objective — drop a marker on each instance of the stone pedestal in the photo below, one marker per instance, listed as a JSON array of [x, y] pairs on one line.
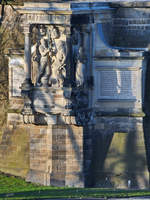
[[119, 159], [56, 155], [51, 100]]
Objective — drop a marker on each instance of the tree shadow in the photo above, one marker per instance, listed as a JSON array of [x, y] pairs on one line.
[[119, 158]]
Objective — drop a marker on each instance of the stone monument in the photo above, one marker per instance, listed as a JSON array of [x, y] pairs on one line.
[[82, 95]]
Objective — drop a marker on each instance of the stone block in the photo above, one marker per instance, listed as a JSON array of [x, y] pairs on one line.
[[40, 177], [16, 104], [14, 119], [57, 179], [16, 75], [74, 180], [49, 100], [51, 119]]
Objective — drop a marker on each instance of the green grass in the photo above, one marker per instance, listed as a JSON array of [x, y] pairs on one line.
[[16, 188]]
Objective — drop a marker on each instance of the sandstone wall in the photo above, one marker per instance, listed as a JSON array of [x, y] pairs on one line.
[[14, 151]]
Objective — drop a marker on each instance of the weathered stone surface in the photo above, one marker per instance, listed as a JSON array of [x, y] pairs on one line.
[[14, 119], [16, 75], [119, 81], [121, 161], [84, 91], [46, 100], [14, 151], [54, 152]]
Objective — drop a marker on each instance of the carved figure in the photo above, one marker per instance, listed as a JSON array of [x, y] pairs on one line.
[[51, 51], [58, 66], [61, 57], [54, 32], [44, 67], [42, 31], [40, 58], [75, 37], [58, 58], [35, 62], [80, 68]]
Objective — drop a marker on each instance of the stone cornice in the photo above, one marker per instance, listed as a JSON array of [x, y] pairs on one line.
[[63, 8]]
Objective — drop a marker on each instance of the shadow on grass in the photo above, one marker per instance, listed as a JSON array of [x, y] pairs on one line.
[[73, 193]]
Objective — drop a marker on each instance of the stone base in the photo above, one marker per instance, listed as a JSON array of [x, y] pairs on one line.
[[39, 177], [75, 179], [50, 100], [56, 155], [110, 153], [119, 159]]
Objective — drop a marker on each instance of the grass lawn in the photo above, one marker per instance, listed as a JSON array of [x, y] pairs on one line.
[[16, 188]]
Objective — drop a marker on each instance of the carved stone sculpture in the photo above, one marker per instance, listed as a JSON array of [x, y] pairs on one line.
[[83, 114], [58, 53], [49, 56], [44, 73], [80, 68], [79, 58], [58, 66], [35, 62]]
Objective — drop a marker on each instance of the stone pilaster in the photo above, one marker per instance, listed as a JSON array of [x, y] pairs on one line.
[[27, 58], [69, 54], [26, 88]]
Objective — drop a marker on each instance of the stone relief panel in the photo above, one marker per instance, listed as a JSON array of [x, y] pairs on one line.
[[60, 63], [49, 57]]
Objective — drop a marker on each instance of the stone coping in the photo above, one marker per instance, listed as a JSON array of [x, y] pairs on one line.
[[88, 3], [63, 7], [78, 7]]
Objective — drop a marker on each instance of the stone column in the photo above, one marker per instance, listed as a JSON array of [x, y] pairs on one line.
[[69, 49], [69, 77], [27, 58], [26, 88]]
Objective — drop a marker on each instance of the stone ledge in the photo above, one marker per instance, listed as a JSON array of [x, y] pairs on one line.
[[120, 113]]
